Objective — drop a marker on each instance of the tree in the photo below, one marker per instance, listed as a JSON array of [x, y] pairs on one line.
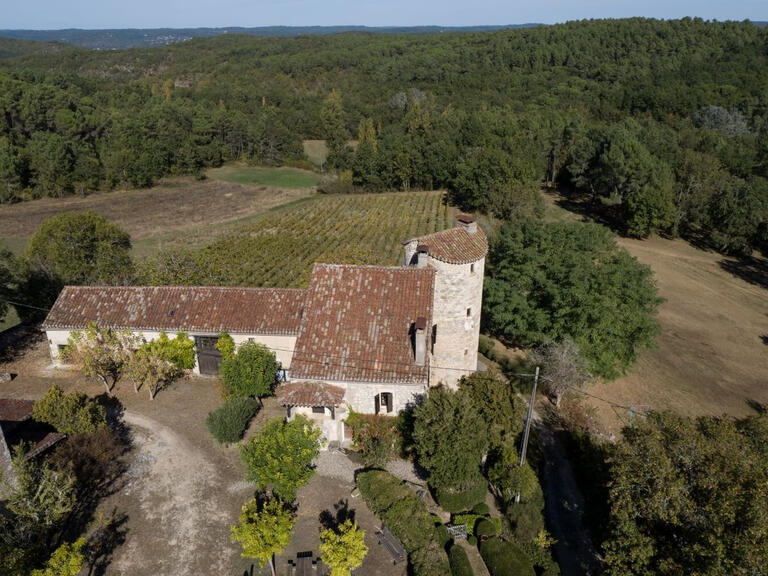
[[343, 549], [500, 408], [72, 413], [67, 560], [563, 366], [159, 362], [450, 438], [334, 127], [81, 248], [250, 371], [278, 457], [263, 530], [226, 345], [8, 289], [375, 436], [688, 496], [39, 496], [100, 353], [549, 281]]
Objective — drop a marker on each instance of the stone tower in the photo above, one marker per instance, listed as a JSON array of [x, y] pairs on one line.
[[458, 257]]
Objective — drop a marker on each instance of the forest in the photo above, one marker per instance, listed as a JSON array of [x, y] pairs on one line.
[[657, 126]]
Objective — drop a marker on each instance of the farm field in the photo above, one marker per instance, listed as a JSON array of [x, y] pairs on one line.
[[283, 177], [149, 215], [278, 248]]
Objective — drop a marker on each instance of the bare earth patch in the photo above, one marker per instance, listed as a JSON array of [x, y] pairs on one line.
[[711, 357], [175, 204]]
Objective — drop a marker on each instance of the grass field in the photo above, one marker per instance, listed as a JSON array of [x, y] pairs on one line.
[[711, 356], [278, 248], [291, 178]]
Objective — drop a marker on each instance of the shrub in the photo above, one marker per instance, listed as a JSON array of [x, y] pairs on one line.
[[505, 558], [472, 540], [429, 560], [460, 565], [485, 345], [527, 520], [469, 520], [481, 508], [452, 501], [408, 519], [73, 413], [375, 436], [485, 528], [228, 422], [442, 535], [251, 371]]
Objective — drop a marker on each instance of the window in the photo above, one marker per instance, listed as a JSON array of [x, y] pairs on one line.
[[318, 409], [469, 312], [383, 402], [466, 351], [434, 337], [62, 347], [472, 268]]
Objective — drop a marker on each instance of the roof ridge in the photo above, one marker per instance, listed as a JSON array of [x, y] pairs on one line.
[[179, 287]]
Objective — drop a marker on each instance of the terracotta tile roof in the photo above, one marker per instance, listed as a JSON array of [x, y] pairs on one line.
[[455, 245], [310, 394], [13, 410], [173, 308], [358, 321]]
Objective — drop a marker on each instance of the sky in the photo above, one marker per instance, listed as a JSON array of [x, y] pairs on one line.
[[56, 14]]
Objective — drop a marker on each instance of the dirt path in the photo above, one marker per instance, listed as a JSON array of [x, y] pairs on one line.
[[574, 550], [180, 507], [478, 565]]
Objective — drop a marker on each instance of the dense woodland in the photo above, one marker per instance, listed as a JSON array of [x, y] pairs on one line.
[[660, 126]]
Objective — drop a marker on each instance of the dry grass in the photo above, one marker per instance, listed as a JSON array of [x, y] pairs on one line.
[[174, 206]]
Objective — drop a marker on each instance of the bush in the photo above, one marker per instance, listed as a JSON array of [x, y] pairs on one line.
[[472, 540], [469, 520], [228, 422], [408, 519], [73, 413], [485, 346], [442, 535], [430, 560], [527, 520], [451, 501], [460, 565], [505, 558], [250, 371], [485, 528], [376, 437], [481, 509]]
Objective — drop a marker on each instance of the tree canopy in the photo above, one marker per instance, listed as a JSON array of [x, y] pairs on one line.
[[688, 496], [250, 370], [279, 456], [81, 248], [551, 281], [265, 529], [343, 549]]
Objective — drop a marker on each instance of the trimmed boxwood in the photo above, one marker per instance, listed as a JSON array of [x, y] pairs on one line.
[[452, 501], [481, 509], [228, 422], [485, 528], [460, 565], [505, 558], [408, 519]]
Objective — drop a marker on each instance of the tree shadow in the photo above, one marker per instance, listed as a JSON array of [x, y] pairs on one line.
[[758, 407], [15, 341], [104, 541], [342, 512], [751, 269]]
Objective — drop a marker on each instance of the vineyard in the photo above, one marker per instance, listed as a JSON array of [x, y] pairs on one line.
[[280, 247]]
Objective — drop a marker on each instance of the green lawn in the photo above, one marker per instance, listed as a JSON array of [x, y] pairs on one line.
[[266, 176]]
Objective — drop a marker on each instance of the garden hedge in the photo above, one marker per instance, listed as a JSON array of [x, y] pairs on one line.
[[505, 558], [228, 422], [451, 501], [460, 565], [407, 518]]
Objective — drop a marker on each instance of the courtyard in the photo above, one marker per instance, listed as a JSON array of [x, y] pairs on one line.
[[181, 491]]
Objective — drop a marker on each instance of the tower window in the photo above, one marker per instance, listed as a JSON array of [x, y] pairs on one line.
[[469, 312], [466, 352], [472, 268]]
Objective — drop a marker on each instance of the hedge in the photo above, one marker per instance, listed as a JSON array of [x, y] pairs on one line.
[[451, 501], [485, 527], [505, 558], [407, 518], [460, 565], [481, 508], [228, 422]]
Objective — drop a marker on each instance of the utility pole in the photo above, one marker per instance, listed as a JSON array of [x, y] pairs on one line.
[[528, 424]]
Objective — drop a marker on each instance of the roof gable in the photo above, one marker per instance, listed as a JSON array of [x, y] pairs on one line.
[[358, 323]]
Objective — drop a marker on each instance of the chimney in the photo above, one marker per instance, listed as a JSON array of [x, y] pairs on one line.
[[422, 255], [420, 341], [467, 222]]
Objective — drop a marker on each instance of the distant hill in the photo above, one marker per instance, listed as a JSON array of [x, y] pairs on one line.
[[10, 47], [118, 39]]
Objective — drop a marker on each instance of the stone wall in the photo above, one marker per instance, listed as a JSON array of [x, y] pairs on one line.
[[458, 289]]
